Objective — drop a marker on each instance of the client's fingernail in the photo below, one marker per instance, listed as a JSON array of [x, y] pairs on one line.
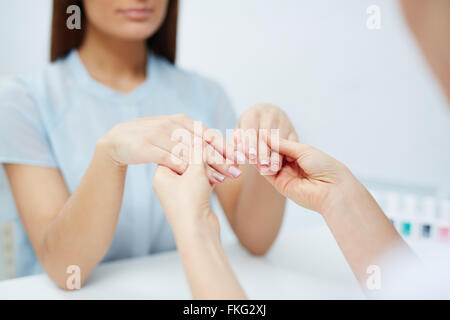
[[267, 172], [252, 153], [218, 176], [264, 162], [235, 172], [275, 166], [240, 157]]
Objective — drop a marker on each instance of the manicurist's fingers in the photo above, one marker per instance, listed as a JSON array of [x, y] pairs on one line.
[[290, 149], [292, 137]]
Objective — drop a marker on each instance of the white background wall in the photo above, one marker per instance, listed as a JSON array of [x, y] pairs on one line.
[[364, 96]]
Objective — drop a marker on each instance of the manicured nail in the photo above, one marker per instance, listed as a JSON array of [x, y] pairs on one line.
[[235, 172], [275, 166], [252, 153], [240, 157], [267, 172], [218, 176], [264, 162]]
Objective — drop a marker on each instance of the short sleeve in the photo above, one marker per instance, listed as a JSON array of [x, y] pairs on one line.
[[23, 137]]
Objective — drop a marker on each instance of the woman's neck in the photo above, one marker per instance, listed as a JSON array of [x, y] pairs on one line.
[[115, 63]]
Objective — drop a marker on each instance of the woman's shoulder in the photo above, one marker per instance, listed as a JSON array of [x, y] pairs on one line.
[[17, 90], [21, 91]]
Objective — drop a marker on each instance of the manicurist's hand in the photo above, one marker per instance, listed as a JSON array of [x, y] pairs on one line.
[[320, 183], [312, 178], [253, 125], [165, 140], [185, 200]]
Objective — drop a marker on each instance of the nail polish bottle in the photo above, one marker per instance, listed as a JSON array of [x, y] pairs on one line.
[[428, 221], [393, 208], [408, 225], [444, 221]]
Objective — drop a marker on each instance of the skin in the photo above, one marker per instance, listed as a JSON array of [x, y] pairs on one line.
[[196, 230], [429, 20], [247, 216], [115, 54], [316, 181]]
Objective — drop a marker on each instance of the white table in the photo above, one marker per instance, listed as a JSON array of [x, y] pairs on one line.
[[301, 265]]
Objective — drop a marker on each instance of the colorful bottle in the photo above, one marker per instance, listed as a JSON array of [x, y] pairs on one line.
[[428, 224], [444, 221], [407, 226], [393, 208]]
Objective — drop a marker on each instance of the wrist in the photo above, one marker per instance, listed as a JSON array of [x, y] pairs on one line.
[[200, 225], [105, 149], [345, 196]]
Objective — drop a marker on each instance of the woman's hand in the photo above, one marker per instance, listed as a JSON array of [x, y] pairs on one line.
[[256, 123], [314, 180], [185, 200], [154, 139]]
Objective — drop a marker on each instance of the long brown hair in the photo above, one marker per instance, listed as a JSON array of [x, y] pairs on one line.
[[63, 40]]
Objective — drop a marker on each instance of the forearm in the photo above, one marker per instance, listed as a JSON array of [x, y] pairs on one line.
[[83, 231], [259, 213], [206, 266], [361, 229]]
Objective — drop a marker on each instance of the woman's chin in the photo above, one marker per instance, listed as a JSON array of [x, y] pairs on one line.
[[135, 33]]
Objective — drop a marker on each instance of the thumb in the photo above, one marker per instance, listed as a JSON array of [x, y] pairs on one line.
[[164, 174], [288, 148], [198, 170]]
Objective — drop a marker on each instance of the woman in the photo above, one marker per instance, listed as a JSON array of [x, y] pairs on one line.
[[316, 181], [79, 143]]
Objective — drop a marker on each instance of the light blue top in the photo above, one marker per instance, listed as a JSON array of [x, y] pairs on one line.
[[55, 119]]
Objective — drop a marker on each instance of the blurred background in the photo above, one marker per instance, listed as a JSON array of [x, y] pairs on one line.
[[364, 96]]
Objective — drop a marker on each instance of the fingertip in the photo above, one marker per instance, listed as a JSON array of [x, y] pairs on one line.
[[252, 153], [181, 167], [240, 157], [293, 136]]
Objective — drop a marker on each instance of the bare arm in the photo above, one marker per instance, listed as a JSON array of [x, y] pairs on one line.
[[320, 183], [78, 229], [361, 229], [206, 266], [196, 230], [253, 208], [68, 230]]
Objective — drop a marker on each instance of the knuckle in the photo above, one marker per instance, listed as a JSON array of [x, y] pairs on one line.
[[136, 145], [166, 158], [180, 117]]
